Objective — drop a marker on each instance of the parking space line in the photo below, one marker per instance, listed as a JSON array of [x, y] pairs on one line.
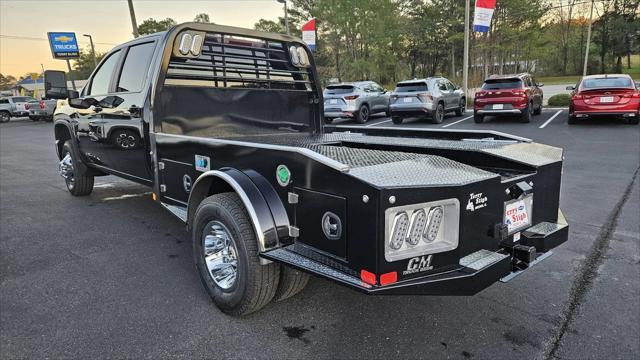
[[374, 124], [550, 119], [461, 120]]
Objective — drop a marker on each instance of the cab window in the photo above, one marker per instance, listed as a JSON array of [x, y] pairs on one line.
[[135, 68], [102, 78]]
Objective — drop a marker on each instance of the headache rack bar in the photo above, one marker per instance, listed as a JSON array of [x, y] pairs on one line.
[[230, 62]]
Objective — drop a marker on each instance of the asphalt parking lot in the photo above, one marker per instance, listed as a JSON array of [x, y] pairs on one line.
[[111, 275]]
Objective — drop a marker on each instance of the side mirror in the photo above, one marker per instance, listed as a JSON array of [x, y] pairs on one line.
[[540, 85], [55, 84], [570, 88], [82, 103], [72, 94], [110, 102]]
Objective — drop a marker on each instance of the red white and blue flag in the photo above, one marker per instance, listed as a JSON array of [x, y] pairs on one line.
[[483, 14], [309, 34]]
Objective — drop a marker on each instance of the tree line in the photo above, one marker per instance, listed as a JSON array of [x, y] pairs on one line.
[[391, 40]]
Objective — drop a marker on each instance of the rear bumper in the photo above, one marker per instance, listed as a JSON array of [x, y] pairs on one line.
[[499, 112], [587, 114], [476, 271], [409, 111]]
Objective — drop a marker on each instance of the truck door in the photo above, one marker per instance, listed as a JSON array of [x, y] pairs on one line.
[[116, 134]]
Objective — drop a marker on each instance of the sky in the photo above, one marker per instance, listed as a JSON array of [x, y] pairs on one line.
[[24, 24]]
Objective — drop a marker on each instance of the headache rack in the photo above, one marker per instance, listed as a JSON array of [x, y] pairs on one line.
[[231, 61]]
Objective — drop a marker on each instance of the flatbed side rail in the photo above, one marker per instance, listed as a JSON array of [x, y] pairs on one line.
[[444, 134]]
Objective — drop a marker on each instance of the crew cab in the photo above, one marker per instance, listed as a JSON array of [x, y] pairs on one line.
[[605, 96], [14, 106], [229, 134], [508, 95]]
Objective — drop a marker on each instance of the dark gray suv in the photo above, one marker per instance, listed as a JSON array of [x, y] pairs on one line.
[[355, 100], [431, 97]]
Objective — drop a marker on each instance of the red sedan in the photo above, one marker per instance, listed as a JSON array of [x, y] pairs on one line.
[[613, 95]]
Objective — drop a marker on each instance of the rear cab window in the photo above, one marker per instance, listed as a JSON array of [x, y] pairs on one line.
[[135, 68], [499, 84], [22, 99], [339, 89], [607, 83], [412, 87]]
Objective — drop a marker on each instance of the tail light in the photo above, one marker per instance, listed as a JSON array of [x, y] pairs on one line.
[[481, 93], [26, 106], [636, 95], [351, 97], [42, 106], [519, 93], [367, 277], [425, 97], [388, 278]]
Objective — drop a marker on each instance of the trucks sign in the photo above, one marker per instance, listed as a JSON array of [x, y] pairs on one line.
[[63, 45]]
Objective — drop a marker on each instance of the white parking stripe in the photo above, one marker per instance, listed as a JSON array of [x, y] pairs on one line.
[[378, 123], [461, 120], [550, 119]]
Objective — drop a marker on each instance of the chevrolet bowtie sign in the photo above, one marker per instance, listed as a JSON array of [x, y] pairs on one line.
[[63, 45]]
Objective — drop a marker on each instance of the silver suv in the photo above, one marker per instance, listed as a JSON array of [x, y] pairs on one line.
[[431, 97], [356, 100]]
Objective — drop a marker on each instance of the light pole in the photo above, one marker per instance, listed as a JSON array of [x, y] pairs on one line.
[[286, 16], [93, 50], [465, 58], [586, 53], [134, 24]]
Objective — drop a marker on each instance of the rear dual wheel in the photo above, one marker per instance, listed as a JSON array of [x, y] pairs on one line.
[[225, 251]]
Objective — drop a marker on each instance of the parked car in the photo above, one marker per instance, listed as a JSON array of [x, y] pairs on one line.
[[270, 194], [14, 106], [431, 97], [508, 95], [610, 96], [357, 100], [41, 109]]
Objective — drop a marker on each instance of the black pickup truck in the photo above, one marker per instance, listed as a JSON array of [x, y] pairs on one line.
[[226, 125]]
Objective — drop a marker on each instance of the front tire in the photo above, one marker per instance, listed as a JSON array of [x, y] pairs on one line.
[[5, 116], [225, 251], [78, 184], [362, 116]]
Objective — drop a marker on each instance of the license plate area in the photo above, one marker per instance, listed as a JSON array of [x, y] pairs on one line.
[[498, 106], [517, 213], [407, 99], [606, 99]]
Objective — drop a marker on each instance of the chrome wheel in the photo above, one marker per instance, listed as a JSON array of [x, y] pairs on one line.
[[125, 141], [220, 254], [65, 168]]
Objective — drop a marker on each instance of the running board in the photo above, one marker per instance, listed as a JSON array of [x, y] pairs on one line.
[[288, 257], [178, 211]]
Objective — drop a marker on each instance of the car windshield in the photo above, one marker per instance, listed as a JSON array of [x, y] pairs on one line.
[[338, 89], [498, 84], [22, 99], [411, 87], [608, 82]]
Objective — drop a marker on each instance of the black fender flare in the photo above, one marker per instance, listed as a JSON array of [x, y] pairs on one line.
[[266, 212], [64, 124]]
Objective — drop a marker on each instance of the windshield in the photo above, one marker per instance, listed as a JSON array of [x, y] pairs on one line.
[[21, 99], [498, 84], [411, 87], [338, 89], [609, 82]]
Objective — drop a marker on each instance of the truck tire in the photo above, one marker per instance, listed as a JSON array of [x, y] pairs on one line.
[[437, 117], [223, 232], [362, 116], [526, 114], [5, 116], [292, 281], [462, 107], [78, 184]]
